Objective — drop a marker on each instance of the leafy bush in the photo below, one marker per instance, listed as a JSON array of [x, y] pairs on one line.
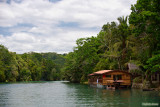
[[138, 80]]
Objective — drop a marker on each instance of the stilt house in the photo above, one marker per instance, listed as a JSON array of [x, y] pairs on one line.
[[110, 79]]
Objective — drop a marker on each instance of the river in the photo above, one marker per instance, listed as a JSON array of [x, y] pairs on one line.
[[65, 94]]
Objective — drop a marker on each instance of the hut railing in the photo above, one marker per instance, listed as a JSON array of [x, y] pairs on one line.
[[94, 81], [107, 81]]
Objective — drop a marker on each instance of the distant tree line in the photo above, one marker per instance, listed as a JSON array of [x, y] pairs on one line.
[[134, 39], [29, 66]]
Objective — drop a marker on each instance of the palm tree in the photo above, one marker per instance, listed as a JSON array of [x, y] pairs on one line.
[[121, 40]]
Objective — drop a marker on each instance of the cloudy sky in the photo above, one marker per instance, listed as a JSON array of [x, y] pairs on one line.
[[55, 25]]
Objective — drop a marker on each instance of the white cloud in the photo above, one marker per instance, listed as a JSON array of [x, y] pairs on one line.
[[26, 42], [45, 34]]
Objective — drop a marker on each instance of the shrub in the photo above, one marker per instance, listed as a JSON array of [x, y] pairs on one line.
[[137, 80]]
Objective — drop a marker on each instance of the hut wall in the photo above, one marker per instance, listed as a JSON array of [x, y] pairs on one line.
[[109, 78]]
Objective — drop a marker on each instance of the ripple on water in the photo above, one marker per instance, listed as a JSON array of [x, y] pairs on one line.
[[64, 94]]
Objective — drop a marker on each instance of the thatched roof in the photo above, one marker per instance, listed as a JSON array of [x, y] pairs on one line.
[[132, 66]]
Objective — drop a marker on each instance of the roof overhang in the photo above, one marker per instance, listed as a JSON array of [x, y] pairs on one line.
[[106, 71]]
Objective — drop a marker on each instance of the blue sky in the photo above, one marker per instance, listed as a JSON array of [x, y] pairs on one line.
[[55, 25]]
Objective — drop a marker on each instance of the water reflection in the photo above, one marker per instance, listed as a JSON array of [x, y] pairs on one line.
[[65, 94], [85, 95]]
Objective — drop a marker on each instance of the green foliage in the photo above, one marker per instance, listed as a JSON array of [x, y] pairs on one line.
[[145, 19], [106, 51], [58, 59], [117, 44], [2, 76], [137, 80], [153, 64], [102, 64], [29, 66], [25, 75], [82, 61]]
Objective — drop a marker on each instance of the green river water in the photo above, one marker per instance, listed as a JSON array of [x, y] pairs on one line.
[[65, 94]]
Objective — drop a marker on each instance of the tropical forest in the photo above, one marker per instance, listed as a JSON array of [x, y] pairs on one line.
[[131, 39], [79, 53]]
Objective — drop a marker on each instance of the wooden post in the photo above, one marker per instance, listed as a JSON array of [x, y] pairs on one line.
[[158, 77]]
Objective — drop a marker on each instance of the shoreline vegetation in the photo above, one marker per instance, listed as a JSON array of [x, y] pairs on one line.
[[134, 39], [30, 66]]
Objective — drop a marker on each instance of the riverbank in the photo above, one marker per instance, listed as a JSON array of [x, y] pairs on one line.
[[145, 88]]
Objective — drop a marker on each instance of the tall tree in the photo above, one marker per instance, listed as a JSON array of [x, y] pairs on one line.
[[83, 60], [145, 18]]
